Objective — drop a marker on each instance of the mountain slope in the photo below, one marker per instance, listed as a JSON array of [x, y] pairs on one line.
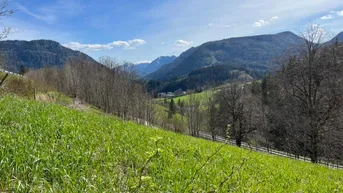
[[47, 147], [35, 54], [338, 38], [144, 69], [206, 77], [253, 52], [140, 68]]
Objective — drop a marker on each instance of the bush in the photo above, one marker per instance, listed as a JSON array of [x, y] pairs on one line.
[[19, 86]]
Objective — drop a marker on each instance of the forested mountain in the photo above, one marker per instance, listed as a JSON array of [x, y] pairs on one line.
[[205, 77], [253, 53], [338, 38], [139, 68], [36, 54], [144, 69]]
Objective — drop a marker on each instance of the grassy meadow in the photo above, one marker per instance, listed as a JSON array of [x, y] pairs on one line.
[[46, 147]]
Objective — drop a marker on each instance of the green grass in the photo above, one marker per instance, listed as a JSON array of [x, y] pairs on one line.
[[205, 94], [49, 148], [54, 97], [162, 112], [201, 96]]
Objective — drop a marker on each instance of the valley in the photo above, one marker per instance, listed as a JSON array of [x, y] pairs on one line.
[[171, 96]]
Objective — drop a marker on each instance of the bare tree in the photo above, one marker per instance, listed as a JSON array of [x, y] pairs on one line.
[[231, 102], [194, 115], [312, 87], [5, 11], [239, 109], [212, 115], [106, 86]]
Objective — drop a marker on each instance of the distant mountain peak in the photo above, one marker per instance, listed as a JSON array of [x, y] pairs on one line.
[[286, 33], [144, 69], [337, 38]]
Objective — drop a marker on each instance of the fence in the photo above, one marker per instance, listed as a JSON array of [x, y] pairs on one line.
[[257, 148]]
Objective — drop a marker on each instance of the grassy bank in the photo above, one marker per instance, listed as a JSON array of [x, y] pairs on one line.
[[49, 148]]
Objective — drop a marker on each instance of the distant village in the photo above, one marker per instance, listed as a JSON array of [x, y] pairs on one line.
[[176, 93]]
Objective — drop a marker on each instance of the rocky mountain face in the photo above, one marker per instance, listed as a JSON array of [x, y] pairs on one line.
[[256, 53], [36, 54]]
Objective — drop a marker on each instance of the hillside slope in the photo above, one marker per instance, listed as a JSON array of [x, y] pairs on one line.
[[209, 77], [47, 147], [338, 37], [253, 53], [36, 54]]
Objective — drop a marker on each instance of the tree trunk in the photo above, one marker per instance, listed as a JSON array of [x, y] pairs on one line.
[[314, 153], [314, 157], [213, 136], [238, 141]]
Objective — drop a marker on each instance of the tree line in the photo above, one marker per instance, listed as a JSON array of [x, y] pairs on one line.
[[105, 85], [298, 108]]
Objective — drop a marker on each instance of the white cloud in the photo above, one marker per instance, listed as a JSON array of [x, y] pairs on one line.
[[136, 42], [131, 44], [183, 43], [210, 24], [227, 26], [260, 23], [46, 18], [274, 18], [332, 15], [163, 43], [120, 44], [87, 47], [325, 17], [339, 13]]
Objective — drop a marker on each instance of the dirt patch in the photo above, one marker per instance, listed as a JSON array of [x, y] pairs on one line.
[[78, 105]]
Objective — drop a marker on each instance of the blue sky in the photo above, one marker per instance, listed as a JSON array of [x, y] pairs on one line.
[[142, 30]]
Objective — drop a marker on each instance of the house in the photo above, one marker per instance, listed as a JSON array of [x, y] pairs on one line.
[[162, 95], [165, 95]]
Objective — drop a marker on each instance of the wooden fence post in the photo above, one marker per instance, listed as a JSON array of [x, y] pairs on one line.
[[34, 93], [3, 79]]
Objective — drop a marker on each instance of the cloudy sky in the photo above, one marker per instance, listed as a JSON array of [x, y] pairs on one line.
[[142, 30]]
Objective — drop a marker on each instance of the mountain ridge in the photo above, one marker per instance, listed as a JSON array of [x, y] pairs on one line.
[[144, 69], [36, 54], [252, 52], [337, 38]]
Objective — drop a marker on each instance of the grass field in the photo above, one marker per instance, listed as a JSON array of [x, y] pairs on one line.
[[201, 96], [49, 148], [205, 94]]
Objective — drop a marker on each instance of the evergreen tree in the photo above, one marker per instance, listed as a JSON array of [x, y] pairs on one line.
[[182, 108], [172, 109], [22, 70], [165, 102]]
